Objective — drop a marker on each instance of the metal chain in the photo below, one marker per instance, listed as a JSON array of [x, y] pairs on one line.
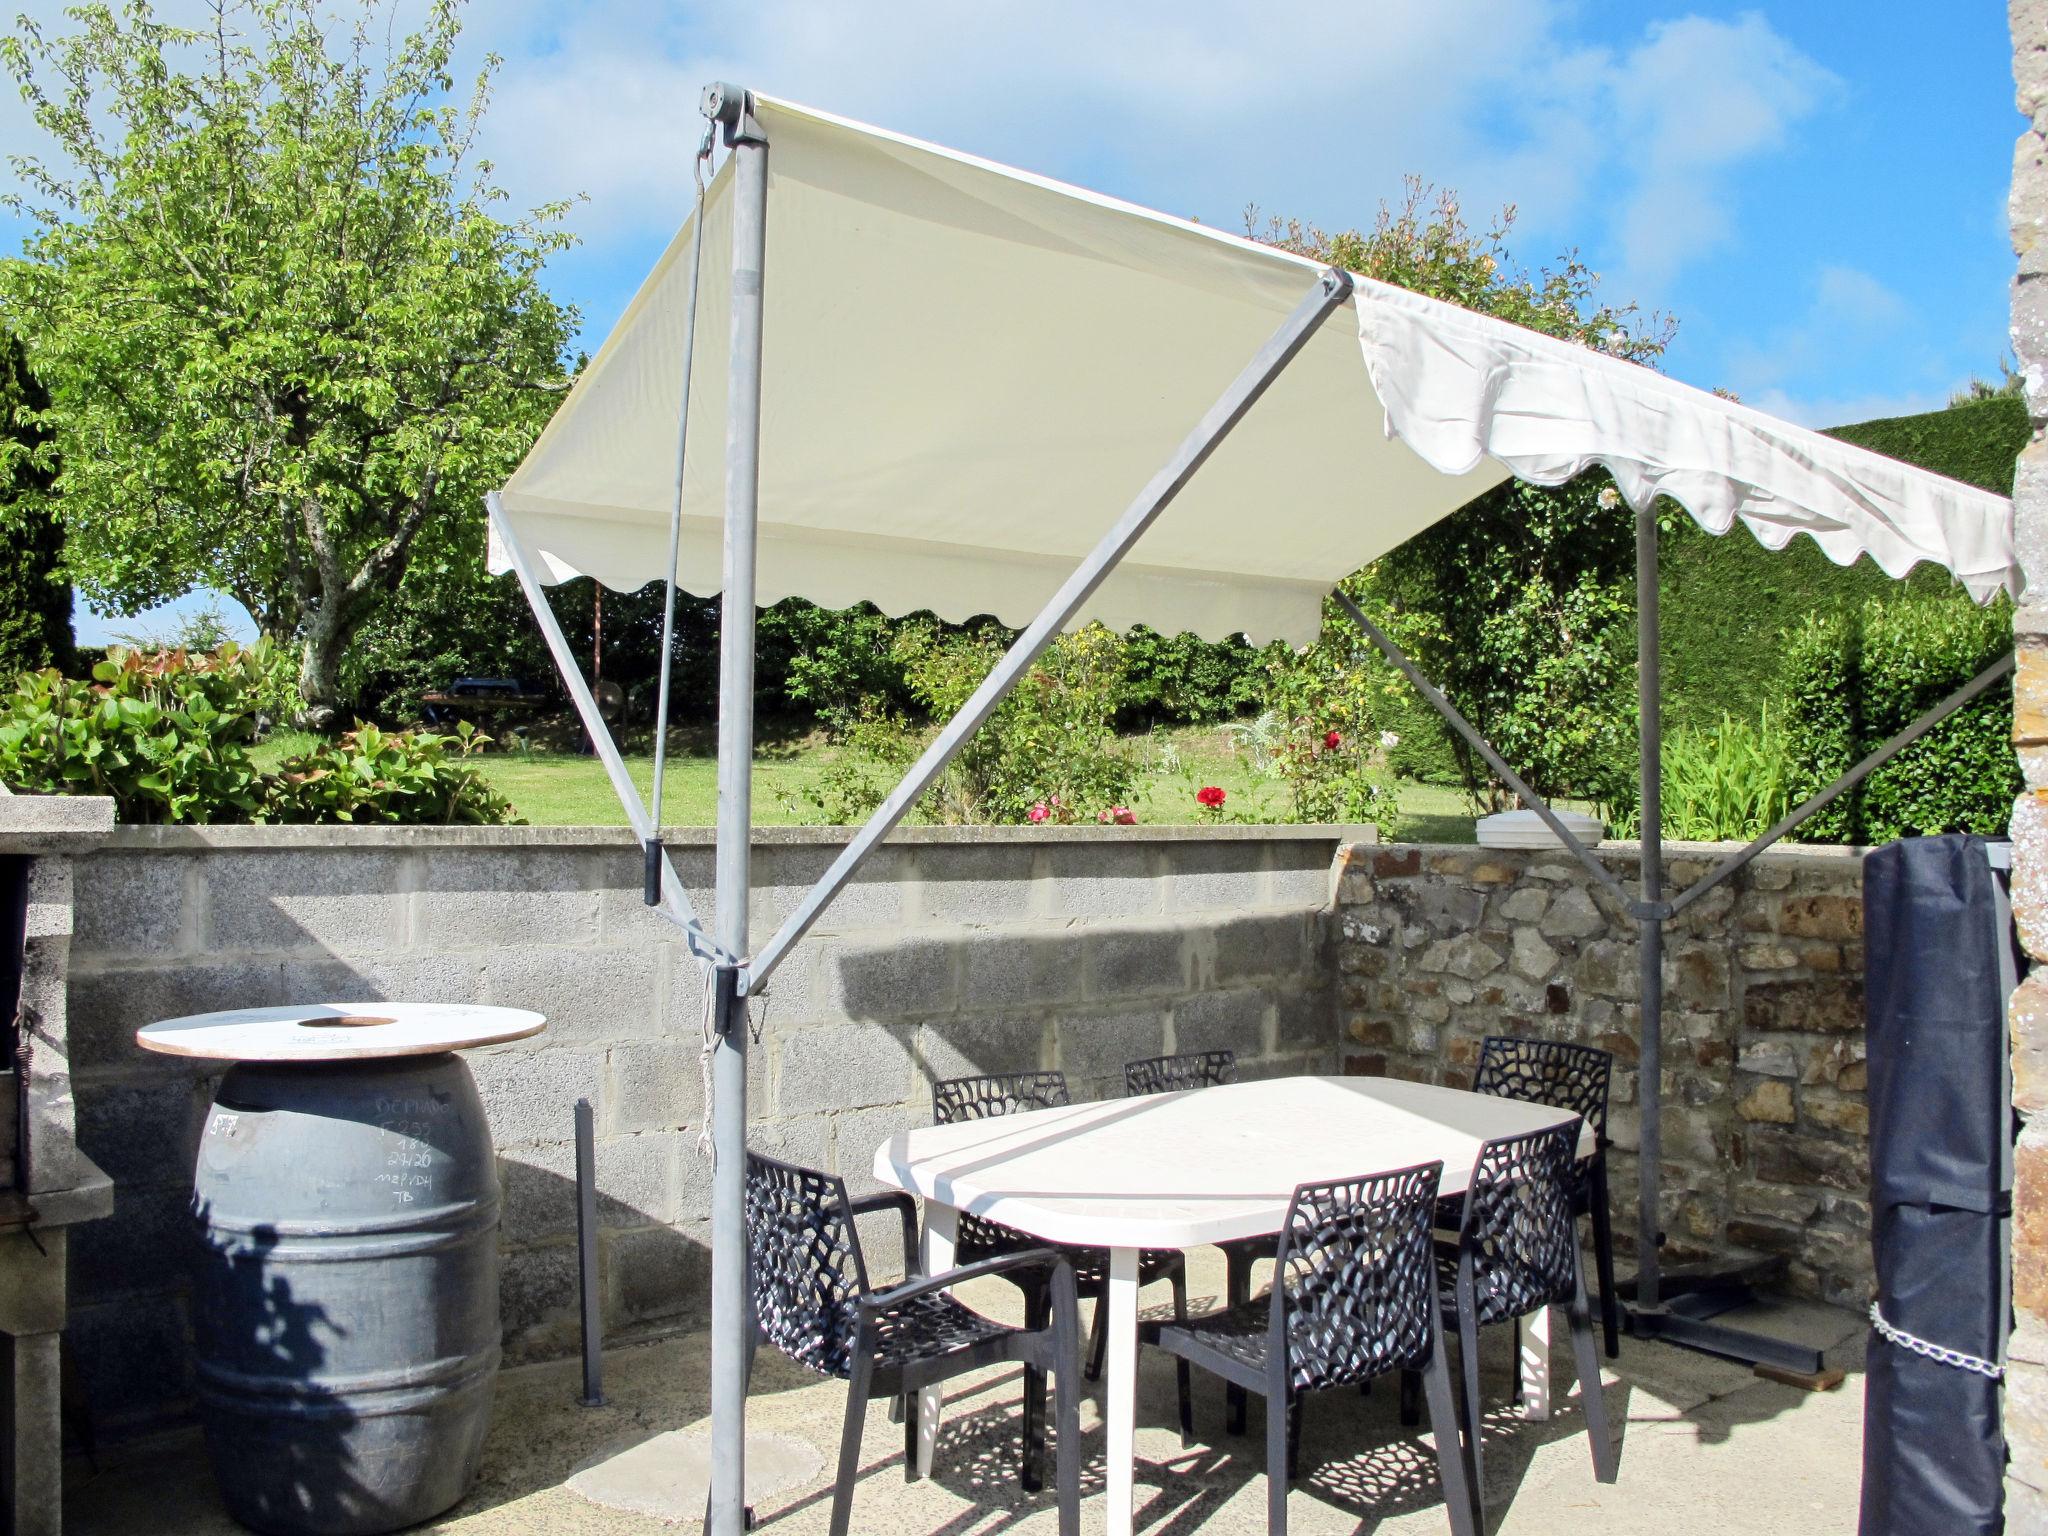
[[1936, 1352]]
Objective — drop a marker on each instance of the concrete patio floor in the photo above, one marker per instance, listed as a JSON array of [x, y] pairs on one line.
[[1705, 1447]]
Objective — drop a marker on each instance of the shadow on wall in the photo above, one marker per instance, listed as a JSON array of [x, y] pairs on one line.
[[1084, 969], [135, 1316]]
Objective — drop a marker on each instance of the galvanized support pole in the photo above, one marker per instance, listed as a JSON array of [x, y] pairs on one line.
[[1650, 764], [730, 1322], [586, 1255]]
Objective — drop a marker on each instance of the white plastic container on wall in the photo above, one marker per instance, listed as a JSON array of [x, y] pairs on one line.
[[1525, 829]]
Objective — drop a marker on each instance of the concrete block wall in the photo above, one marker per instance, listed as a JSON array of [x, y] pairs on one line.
[[956, 951], [1765, 1124]]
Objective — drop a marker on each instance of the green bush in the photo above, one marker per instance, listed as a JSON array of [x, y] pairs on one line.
[[1854, 680], [1728, 782], [371, 775], [1051, 745], [1049, 752], [1186, 680], [167, 734]]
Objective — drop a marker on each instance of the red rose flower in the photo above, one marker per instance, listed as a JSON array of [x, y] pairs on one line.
[[1332, 742], [1209, 795]]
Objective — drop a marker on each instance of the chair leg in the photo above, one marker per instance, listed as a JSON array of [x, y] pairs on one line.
[[1032, 1476], [1098, 1335], [1475, 1413], [1591, 1397], [1279, 1414], [1036, 1306], [1603, 1256], [1411, 1398], [1180, 1364], [1453, 1468], [849, 1436], [1237, 1289], [1294, 1437]]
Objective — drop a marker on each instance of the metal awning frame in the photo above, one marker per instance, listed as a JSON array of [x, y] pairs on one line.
[[734, 974]]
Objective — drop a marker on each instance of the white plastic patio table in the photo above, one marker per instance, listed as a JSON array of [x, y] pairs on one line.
[[1181, 1170]]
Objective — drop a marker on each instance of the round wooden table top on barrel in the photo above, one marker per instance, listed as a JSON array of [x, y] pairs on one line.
[[338, 1031]]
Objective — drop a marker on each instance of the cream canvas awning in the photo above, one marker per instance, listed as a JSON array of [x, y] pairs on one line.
[[985, 392], [969, 371]]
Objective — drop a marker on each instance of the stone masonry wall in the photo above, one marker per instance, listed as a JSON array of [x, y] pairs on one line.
[[955, 952], [1765, 1123], [2026, 1386]]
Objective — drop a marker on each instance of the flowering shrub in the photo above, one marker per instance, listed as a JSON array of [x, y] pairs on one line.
[[1321, 734]]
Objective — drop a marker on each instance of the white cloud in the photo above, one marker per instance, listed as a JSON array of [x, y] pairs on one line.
[[1844, 410], [1692, 102], [1199, 107], [1854, 298], [1853, 327]]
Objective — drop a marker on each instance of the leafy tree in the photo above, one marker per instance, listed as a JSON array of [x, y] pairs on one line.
[[287, 339], [1521, 605], [35, 600]]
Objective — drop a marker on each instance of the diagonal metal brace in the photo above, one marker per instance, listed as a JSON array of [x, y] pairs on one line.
[[1443, 706], [1332, 289], [1846, 782], [675, 898]]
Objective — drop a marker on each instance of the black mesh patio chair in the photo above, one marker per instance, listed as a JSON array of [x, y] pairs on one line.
[[1355, 1295], [976, 1237], [1517, 1249], [1177, 1074], [813, 1302], [1573, 1077]]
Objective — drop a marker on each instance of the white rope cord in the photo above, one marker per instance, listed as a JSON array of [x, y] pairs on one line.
[[705, 1148], [705, 975], [1939, 1353]]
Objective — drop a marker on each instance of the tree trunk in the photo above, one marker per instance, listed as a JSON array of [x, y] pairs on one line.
[[327, 634]]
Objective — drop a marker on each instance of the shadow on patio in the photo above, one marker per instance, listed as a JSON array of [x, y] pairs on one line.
[[1706, 1446]]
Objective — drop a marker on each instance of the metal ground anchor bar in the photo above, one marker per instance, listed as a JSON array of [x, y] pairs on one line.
[[1332, 288], [586, 1256], [1435, 698], [675, 903], [1672, 1326]]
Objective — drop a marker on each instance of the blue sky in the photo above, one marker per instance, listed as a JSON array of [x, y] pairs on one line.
[[1815, 190]]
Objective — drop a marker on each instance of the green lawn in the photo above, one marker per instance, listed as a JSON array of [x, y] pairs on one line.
[[565, 789]]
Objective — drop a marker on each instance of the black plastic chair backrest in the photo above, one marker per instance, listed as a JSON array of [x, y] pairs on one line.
[[804, 1264], [1000, 1093], [1553, 1072], [1355, 1291], [1518, 1230], [1172, 1074]]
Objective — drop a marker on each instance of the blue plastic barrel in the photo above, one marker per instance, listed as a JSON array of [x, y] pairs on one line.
[[346, 1301]]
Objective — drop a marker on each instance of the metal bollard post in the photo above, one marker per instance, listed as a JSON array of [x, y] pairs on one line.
[[586, 1255]]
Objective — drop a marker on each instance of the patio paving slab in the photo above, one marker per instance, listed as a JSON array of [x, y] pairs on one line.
[[1706, 1447]]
